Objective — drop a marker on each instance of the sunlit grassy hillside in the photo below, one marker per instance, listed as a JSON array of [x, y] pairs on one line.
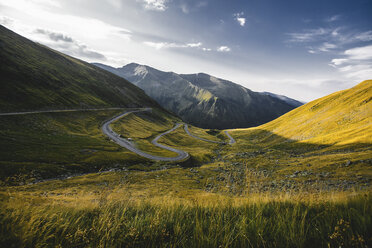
[[327, 141], [343, 117]]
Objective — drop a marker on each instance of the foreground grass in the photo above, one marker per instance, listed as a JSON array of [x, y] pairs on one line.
[[205, 220]]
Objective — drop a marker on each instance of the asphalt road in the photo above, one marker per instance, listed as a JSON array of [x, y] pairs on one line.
[[232, 140], [106, 129], [56, 111], [196, 137]]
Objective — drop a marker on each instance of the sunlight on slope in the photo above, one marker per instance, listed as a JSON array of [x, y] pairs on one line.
[[341, 118]]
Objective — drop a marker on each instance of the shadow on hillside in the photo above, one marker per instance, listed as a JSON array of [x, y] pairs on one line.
[[259, 139]]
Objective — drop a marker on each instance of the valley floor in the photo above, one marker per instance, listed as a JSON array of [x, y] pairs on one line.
[[249, 193]]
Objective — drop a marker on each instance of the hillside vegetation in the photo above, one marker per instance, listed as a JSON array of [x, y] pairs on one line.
[[302, 180], [341, 118], [325, 144], [35, 77]]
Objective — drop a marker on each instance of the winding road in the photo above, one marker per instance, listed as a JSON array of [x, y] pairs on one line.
[[196, 137], [106, 129], [182, 155], [56, 111], [232, 140]]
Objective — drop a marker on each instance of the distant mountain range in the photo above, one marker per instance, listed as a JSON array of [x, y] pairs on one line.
[[204, 100], [288, 100], [35, 77]]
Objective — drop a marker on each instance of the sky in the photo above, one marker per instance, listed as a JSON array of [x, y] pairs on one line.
[[299, 48]]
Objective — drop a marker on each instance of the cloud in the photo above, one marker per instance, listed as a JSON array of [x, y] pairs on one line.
[[336, 62], [360, 53], [54, 36], [6, 21], [356, 63], [325, 47], [241, 20], [194, 44], [223, 49], [365, 36], [333, 18], [161, 45], [187, 6], [66, 44], [307, 35], [158, 5], [322, 39], [117, 4]]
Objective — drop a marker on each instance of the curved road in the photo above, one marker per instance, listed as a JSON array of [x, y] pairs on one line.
[[106, 129], [232, 140], [56, 111], [196, 137]]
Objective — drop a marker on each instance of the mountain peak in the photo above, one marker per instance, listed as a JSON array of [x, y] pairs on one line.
[[205, 100], [140, 70]]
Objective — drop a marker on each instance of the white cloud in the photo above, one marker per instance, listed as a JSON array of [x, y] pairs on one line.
[[336, 62], [223, 49], [160, 45], [356, 63], [67, 44], [117, 4], [6, 21], [333, 18], [194, 44], [322, 40], [365, 36], [185, 9], [325, 47], [241, 20], [206, 49], [360, 53], [159, 5], [189, 6], [308, 35], [91, 28]]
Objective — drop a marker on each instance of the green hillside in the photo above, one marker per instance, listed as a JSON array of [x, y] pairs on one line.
[[302, 180], [35, 77], [341, 118], [44, 145], [325, 144]]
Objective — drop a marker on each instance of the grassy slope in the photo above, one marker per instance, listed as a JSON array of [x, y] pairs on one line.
[[144, 127], [341, 118], [233, 202], [237, 201], [141, 209], [35, 77], [48, 145], [325, 141]]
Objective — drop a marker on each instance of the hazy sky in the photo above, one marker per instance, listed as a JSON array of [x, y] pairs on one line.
[[301, 48]]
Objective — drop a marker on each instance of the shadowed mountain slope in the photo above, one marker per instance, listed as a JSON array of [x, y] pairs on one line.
[[35, 77], [204, 100]]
